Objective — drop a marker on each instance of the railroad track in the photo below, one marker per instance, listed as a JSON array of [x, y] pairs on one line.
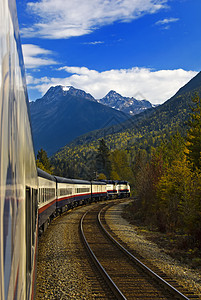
[[64, 269], [126, 276]]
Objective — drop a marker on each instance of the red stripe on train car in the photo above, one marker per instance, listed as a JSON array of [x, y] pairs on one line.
[[73, 196], [46, 206], [64, 198], [78, 195]]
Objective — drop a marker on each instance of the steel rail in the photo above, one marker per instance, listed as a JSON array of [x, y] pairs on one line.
[[165, 284], [115, 290]]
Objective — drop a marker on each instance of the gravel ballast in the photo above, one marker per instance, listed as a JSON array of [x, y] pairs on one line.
[[63, 268], [128, 233], [64, 271]]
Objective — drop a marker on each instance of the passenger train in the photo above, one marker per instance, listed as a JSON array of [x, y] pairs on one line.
[[57, 194], [29, 198]]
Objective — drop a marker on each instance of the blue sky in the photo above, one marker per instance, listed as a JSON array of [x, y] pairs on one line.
[[147, 49]]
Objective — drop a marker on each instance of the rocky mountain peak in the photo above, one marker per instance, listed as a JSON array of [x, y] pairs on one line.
[[56, 92], [65, 113], [53, 93], [79, 93], [125, 104], [113, 95]]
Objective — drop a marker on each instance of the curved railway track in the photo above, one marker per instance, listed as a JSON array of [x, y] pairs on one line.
[[64, 269], [127, 276]]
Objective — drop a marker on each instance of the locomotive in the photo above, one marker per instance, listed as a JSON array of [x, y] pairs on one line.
[[29, 197]]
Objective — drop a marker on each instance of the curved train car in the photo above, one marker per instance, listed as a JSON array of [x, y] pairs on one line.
[[47, 196], [30, 198], [18, 177], [65, 193], [111, 189], [58, 194], [82, 191], [71, 192], [99, 190]]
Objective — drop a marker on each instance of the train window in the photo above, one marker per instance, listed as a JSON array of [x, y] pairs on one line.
[[28, 229], [82, 190], [48, 194], [40, 195], [66, 191], [34, 212], [51, 193]]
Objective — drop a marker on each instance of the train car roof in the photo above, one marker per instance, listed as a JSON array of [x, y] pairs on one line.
[[79, 181], [109, 181], [63, 179], [99, 182], [72, 181], [45, 175]]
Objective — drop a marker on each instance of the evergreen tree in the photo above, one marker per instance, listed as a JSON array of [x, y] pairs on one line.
[[194, 135], [103, 163], [120, 166], [43, 162]]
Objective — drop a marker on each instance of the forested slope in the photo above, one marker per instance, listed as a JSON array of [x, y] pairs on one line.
[[144, 131]]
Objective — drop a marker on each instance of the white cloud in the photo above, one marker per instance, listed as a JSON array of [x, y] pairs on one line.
[[34, 56], [167, 21], [142, 83], [94, 43], [64, 19], [30, 80]]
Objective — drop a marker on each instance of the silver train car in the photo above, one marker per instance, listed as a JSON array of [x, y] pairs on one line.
[[29, 197], [47, 196], [58, 194], [111, 189], [18, 177]]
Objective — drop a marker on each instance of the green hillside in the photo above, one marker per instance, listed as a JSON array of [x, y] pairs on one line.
[[144, 131]]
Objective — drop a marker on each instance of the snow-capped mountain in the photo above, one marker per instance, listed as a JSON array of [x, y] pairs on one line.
[[65, 113], [128, 105], [61, 91], [112, 99]]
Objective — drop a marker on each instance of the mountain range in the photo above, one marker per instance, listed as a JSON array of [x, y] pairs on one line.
[[65, 113], [144, 130], [68, 116]]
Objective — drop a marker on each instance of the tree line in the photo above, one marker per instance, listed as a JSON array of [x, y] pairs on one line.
[[101, 163], [168, 183]]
